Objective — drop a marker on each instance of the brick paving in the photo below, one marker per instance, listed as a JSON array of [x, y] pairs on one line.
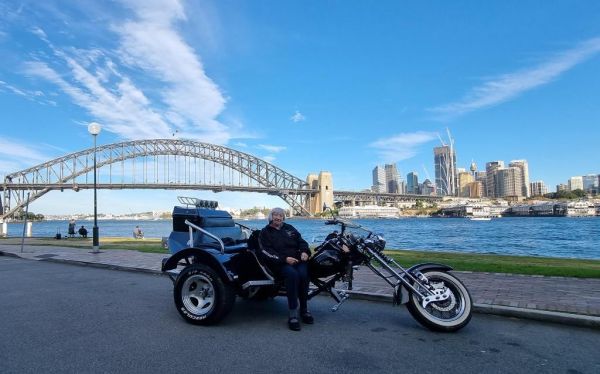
[[534, 293]]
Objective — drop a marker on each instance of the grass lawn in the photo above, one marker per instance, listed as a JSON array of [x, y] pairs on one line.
[[458, 261], [152, 245], [503, 264]]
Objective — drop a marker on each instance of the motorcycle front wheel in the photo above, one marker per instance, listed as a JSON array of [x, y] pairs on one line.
[[448, 315]]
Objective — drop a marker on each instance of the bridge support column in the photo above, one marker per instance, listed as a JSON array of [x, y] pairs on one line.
[[324, 183]]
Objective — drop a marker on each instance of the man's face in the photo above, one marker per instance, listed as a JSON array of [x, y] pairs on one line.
[[277, 219]]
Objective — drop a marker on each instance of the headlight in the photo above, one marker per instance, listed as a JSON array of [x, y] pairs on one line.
[[379, 242]]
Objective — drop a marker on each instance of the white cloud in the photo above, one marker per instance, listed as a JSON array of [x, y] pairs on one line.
[[269, 159], [36, 95], [241, 144], [272, 148], [508, 86], [15, 156], [188, 101], [297, 117], [402, 146]]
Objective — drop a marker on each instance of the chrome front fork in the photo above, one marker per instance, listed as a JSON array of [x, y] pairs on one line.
[[426, 292]]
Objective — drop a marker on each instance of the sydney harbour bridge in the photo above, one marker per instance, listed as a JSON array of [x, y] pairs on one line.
[[174, 164]]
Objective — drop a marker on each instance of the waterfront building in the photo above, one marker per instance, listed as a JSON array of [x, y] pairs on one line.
[[368, 211], [510, 183], [524, 166], [379, 184], [444, 159], [520, 210], [544, 209], [392, 179], [575, 183], [412, 183], [580, 209], [467, 210], [464, 180], [538, 188], [491, 177]]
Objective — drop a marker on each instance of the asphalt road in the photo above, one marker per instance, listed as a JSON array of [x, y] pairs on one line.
[[65, 318]]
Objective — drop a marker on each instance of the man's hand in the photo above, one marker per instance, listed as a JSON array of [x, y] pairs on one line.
[[291, 260], [304, 256]]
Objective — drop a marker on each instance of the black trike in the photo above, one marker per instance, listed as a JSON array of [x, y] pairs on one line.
[[214, 259]]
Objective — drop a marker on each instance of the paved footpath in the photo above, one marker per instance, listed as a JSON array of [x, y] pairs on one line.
[[555, 299]]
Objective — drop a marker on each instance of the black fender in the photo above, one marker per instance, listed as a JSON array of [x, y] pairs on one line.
[[428, 266], [203, 256]]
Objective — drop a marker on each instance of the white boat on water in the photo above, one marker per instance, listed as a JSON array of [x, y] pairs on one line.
[[480, 218]]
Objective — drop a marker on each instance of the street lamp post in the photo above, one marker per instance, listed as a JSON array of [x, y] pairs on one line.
[[94, 129]]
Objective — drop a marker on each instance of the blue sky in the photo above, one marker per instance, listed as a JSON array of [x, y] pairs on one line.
[[307, 85]]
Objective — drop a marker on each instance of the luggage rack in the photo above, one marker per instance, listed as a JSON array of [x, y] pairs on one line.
[[198, 203]]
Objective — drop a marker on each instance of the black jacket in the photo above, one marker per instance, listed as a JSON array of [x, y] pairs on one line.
[[276, 245]]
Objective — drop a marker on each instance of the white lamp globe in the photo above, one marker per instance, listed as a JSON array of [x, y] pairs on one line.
[[94, 128]]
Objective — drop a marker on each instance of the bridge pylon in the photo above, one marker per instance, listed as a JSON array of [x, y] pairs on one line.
[[323, 185]]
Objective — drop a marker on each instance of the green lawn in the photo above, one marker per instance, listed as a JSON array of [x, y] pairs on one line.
[[151, 245], [459, 261], [503, 264]]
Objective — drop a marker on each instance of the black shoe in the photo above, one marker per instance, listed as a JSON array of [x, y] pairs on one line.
[[294, 324], [307, 318]]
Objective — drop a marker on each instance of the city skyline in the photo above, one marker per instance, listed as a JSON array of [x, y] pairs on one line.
[[339, 87]]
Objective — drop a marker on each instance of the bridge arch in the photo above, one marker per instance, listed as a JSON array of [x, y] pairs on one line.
[[63, 172]]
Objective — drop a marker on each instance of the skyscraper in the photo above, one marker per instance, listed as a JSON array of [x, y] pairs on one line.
[[392, 178], [444, 159], [509, 182], [590, 183], [464, 180], [538, 188], [379, 184], [575, 183], [412, 183], [491, 178], [427, 188], [522, 164], [481, 177]]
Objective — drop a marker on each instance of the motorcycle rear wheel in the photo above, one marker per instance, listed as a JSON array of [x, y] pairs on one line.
[[445, 316]]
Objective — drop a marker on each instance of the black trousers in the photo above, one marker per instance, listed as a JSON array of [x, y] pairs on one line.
[[296, 283]]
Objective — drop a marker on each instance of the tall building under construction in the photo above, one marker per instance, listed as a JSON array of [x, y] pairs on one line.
[[444, 159]]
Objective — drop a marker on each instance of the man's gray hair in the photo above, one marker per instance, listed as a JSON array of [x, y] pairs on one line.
[[276, 210]]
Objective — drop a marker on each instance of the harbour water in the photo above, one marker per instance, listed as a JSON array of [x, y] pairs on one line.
[[543, 236]]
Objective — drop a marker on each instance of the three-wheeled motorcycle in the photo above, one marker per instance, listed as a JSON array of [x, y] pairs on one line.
[[214, 259]]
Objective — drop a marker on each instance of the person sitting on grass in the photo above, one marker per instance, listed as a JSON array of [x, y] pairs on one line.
[[83, 231]]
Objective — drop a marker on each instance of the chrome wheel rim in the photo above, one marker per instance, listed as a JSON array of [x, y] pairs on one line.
[[449, 310], [198, 295]]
